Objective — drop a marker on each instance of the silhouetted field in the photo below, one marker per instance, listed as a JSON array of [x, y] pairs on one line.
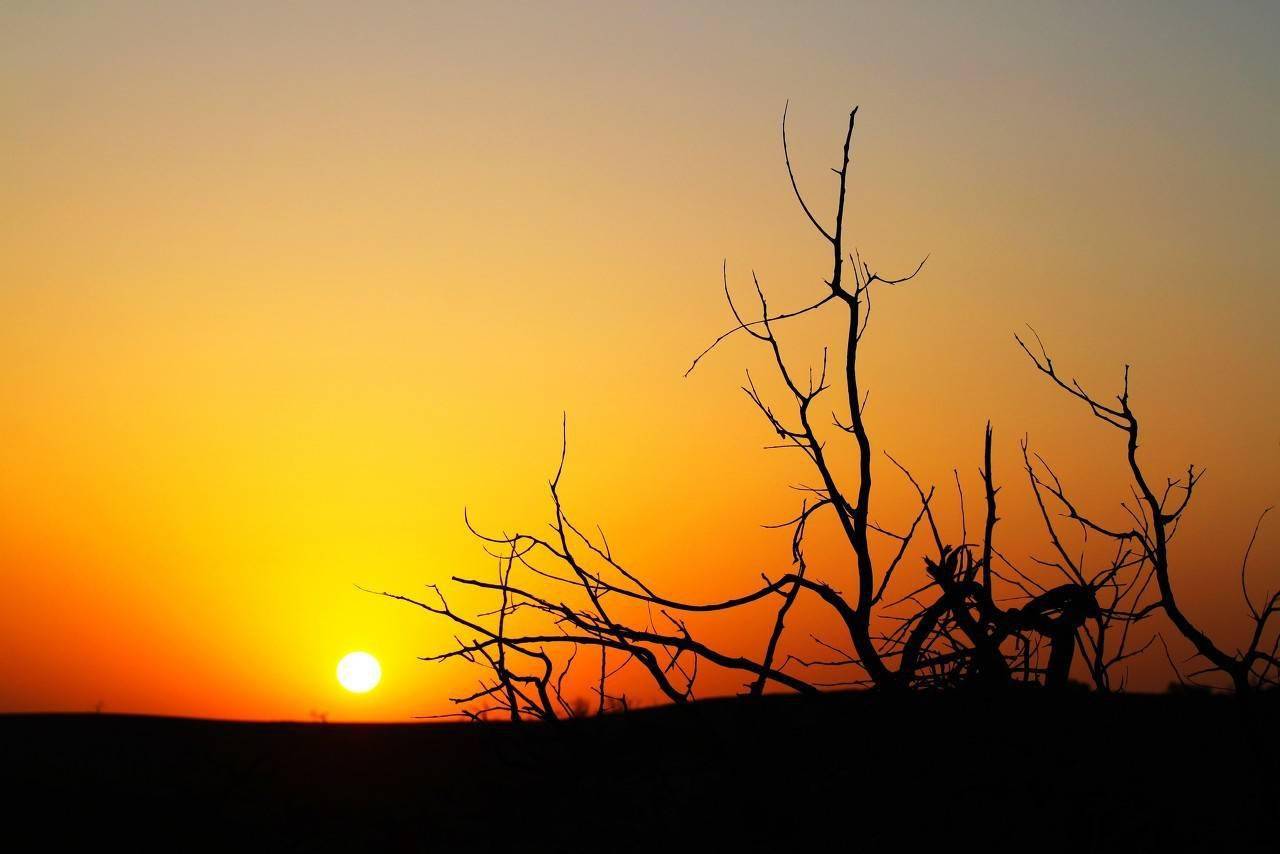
[[1034, 772]]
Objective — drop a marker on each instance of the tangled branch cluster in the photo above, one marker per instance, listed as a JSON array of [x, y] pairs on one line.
[[975, 619]]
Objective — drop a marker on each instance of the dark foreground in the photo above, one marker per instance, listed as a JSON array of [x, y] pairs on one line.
[[1137, 773]]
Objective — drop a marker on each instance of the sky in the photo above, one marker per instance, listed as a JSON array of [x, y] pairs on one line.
[[285, 287]]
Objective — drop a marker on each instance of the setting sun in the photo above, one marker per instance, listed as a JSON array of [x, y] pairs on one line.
[[359, 672]]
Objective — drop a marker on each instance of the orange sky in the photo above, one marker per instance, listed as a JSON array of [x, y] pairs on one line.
[[282, 290]]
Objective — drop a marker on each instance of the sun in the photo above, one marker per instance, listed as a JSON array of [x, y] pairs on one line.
[[359, 672]]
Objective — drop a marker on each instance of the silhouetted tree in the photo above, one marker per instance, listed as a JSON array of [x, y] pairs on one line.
[[974, 619], [1155, 522]]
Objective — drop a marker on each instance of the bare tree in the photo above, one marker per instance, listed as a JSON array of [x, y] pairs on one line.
[[974, 618], [1155, 523]]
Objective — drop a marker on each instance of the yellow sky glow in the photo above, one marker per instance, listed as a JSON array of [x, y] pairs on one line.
[[282, 290]]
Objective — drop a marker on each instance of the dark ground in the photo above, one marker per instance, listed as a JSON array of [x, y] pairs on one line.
[[1027, 773]]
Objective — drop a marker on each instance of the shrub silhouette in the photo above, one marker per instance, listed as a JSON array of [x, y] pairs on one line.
[[565, 595]]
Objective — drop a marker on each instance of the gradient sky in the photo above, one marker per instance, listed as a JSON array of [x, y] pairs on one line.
[[282, 289]]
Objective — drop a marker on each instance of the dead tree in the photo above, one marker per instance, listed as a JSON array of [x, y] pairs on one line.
[[1155, 523], [974, 619]]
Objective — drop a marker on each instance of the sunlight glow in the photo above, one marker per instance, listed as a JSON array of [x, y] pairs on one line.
[[359, 672]]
